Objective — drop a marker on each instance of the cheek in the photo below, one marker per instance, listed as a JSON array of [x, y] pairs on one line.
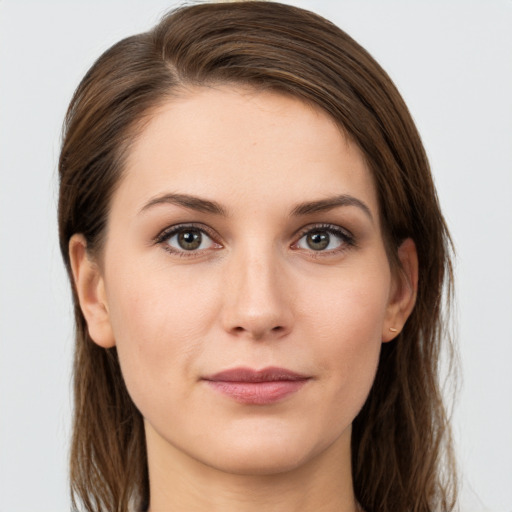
[[160, 322], [351, 307], [345, 321]]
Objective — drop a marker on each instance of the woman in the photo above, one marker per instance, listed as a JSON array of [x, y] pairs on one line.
[[258, 258]]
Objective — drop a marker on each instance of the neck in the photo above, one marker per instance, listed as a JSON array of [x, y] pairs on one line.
[[179, 483]]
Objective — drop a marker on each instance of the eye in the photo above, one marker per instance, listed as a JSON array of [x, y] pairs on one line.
[[325, 239], [186, 239]]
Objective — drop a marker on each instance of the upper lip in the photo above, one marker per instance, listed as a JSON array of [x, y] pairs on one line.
[[242, 374]]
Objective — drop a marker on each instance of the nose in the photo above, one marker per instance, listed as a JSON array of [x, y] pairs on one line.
[[257, 300]]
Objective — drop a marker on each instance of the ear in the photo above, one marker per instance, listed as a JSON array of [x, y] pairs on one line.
[[90, 289], [403, 291]]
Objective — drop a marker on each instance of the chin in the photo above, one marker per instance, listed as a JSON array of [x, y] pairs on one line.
[[261, 461], [264, 455]]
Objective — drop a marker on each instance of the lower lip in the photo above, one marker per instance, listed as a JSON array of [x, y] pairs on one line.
[[258, 393]]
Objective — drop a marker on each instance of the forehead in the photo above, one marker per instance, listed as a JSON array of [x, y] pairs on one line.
[[242, 145]]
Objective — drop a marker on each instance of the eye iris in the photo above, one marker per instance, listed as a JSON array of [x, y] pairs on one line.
[[318, 240], [189, 240]]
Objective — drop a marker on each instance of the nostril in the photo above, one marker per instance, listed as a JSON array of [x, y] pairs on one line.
[[278, 329]]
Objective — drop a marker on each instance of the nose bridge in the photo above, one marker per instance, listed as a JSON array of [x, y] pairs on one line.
[[257, 304]]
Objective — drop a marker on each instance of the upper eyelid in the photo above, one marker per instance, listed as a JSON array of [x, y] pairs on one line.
[[210, 231], [171, 230], [323, 226]]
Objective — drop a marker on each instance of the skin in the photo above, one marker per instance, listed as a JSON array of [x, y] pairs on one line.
[[254, 294]]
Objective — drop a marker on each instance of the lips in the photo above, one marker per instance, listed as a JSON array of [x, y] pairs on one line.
[[257, 387]]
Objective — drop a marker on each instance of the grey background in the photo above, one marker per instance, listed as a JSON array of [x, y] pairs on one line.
[[451, 60]]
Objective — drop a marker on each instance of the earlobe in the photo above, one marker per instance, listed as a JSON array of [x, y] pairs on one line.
[[90, 289], [404, 291]]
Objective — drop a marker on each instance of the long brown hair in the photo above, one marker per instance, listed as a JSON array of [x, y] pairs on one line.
[[401, 446]]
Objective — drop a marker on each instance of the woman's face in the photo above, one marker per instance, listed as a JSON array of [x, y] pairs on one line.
[[244, 281]]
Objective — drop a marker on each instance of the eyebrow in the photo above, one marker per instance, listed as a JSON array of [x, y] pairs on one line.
[[330, 203], [187, 201], [307, 208]]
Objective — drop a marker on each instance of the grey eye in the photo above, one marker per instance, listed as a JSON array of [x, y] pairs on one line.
[[318, 240], [190, 239], [321, 240]]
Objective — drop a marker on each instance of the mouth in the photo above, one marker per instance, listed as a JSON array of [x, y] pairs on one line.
[[257, 387]]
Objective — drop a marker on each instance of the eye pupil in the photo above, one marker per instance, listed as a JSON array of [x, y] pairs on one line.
[[318, 240], [190, 239]]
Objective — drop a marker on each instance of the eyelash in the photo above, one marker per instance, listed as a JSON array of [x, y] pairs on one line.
[[347, 239], [167, 233]]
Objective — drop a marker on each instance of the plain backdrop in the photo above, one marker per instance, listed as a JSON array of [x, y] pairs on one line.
[[451, 60]]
